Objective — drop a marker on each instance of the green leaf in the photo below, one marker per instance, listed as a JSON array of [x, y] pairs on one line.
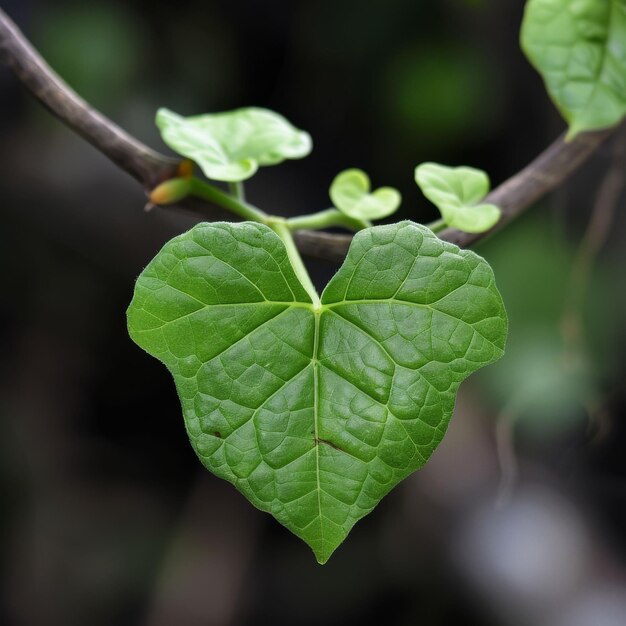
[[457, 192], [231, 146], [579, 47], [316, 413], [350, 193]]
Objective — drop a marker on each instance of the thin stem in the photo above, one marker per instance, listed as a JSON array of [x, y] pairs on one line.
[[326, 219], [237, 191], [280, 227], [598, 230], [505, 450], [437, 226], [208, 192]]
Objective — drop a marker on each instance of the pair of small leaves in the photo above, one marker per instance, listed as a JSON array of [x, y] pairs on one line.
[[579, 47], [350, 193], [316, 412], [457, 193], [231, 146]]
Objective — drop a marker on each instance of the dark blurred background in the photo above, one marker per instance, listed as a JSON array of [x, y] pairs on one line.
[[108, 517]]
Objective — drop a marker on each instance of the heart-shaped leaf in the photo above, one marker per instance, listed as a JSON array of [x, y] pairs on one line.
[[579, 48], [456, 192], [350, 193], [315, 413], [231, 146]]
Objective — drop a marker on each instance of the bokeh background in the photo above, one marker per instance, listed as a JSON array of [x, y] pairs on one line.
[[107, 516]]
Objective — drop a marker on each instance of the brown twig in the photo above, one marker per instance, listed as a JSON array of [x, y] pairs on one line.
[[545, 173], [129, 154]]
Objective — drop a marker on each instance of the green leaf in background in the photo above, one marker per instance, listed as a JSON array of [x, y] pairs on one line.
[[457, 192], [579, 47], [315, 413], [350, 193], [231, 146]]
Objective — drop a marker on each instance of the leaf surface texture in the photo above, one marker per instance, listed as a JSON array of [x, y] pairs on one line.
[[231, 146], [579, 48], [315, 414], [457, 193]]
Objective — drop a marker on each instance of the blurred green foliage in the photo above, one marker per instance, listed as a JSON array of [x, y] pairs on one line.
[[439, 92], [97, 49], [539, 379]]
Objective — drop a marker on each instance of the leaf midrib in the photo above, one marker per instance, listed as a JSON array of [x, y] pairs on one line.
[[604, 52], [610, 23], [317, 312], [315, 361]]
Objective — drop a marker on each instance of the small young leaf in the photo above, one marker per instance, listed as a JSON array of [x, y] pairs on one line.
[[456, 192], [579, 47], [350, 193], [316, 413], [231, 146]]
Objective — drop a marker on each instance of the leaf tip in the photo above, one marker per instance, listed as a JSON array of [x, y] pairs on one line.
[[306, 144], [323, 554], [163, 114]]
